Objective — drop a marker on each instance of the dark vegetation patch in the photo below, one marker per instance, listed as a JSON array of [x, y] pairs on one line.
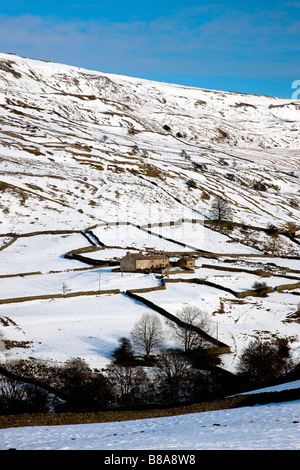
[[238, 401], [5, 321], [9, 344], [40, 419], [244, 105], [7, 66]]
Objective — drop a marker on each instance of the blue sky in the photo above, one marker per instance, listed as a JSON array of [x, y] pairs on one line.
[[244, 46]]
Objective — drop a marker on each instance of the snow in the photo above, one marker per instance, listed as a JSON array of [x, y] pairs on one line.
[[276, 388], [74, 281], [46, 252], [88, 327], [263, 427], [68, 162]]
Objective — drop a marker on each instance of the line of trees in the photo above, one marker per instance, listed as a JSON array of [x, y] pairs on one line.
[[76, 387], [157, 376]]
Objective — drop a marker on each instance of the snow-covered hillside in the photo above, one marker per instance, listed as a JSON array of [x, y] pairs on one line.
[[79, 146], [82, 153]]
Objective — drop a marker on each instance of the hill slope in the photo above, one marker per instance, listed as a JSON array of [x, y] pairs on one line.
[[79, 146], [82, 152]]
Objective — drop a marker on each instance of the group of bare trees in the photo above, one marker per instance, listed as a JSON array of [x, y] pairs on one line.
[[169, 380], [148, 335], [173, 376], [143, 372], [74, 386], [34, 386]]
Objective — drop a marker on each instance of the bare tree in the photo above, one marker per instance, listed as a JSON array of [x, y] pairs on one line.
[[221, 210], [263, 362], [171, 374], [65, 289], [291, 228], [274, 245], [187, 335], [147, 334], [130, 385]]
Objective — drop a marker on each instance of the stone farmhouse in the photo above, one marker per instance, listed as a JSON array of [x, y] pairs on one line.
[[134, 262]]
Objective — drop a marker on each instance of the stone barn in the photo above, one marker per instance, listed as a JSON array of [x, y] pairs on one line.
[[186, 262], [134, 262]]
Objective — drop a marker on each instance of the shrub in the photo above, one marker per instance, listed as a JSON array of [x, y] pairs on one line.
[[259, 286], [83, 388], [272, 229], [123, 354], [191, 183], [259, 186]]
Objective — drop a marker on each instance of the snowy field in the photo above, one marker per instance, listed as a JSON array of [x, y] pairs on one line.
[[40, 253], [194, 235], [263, 427], [74, 281], [61, 329], [90, 326]]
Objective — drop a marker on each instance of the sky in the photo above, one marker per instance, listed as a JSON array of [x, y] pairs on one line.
[[243, 46]]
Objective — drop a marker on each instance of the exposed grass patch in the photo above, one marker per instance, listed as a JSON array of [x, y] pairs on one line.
[[16, 344], [4, 186], [7, 66]]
